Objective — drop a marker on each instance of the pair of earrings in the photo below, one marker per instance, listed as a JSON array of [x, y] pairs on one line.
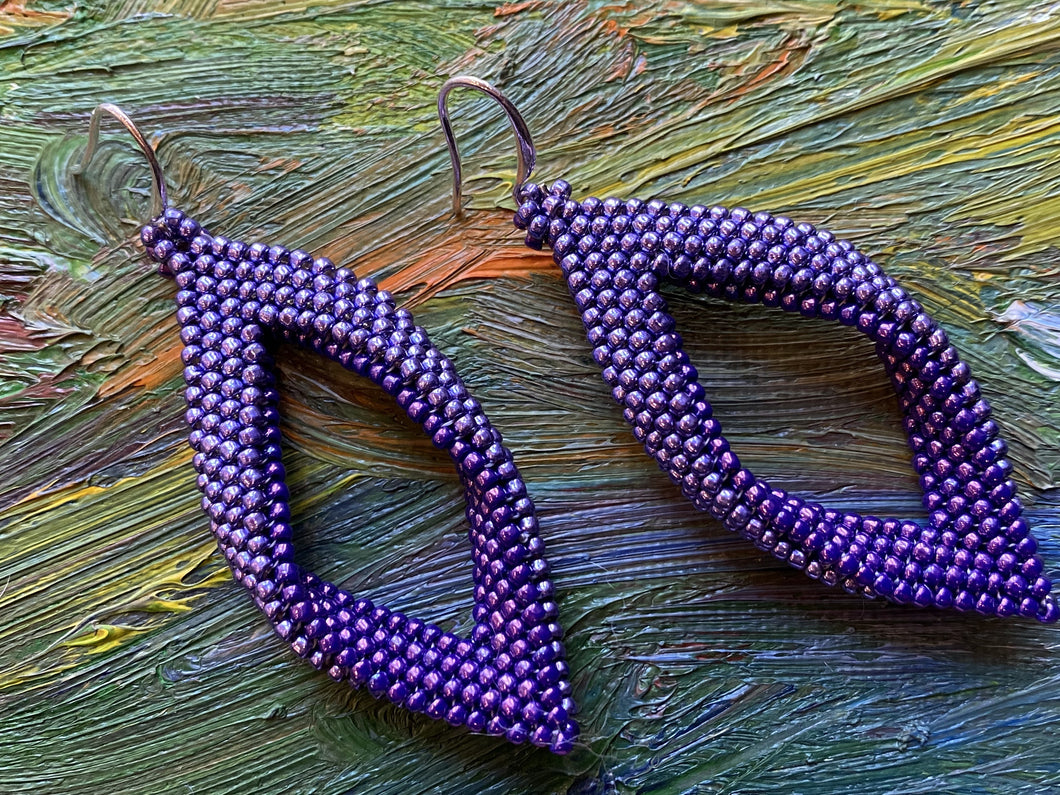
[[509, 676]]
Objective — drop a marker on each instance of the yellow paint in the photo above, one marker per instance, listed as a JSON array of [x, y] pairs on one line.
[[102, 638]]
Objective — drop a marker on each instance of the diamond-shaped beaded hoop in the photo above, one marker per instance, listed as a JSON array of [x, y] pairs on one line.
[[236, 301], [975, 553]]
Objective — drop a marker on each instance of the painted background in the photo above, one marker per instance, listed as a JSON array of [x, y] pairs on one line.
[[926, 132]]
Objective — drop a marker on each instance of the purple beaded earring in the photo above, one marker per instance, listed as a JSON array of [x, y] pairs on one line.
[[235, 303], [976, 552]]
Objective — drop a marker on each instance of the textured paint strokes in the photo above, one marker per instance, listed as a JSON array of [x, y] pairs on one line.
[[925, 131]]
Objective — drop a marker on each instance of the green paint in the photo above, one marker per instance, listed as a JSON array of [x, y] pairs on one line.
[[129, 662]]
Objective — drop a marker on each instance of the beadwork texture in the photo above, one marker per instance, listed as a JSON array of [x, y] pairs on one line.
[[975, 553], [236, 301]]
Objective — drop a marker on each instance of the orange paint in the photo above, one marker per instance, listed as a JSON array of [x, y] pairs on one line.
[[450, 266], [165, 366], [517, 8]]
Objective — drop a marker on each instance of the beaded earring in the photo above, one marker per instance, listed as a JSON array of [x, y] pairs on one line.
[[236, 302], [976, 551]]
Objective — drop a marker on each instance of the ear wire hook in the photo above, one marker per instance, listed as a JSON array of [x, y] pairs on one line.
[[160, 199], [525, 150]]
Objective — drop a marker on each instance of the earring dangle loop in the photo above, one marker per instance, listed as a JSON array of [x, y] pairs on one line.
[[975, 553], [235, 303]]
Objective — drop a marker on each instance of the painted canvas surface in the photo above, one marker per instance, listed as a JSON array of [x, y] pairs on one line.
[[928, 133]]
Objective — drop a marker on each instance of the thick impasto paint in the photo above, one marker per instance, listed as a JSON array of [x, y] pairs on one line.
[[925, 132]]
